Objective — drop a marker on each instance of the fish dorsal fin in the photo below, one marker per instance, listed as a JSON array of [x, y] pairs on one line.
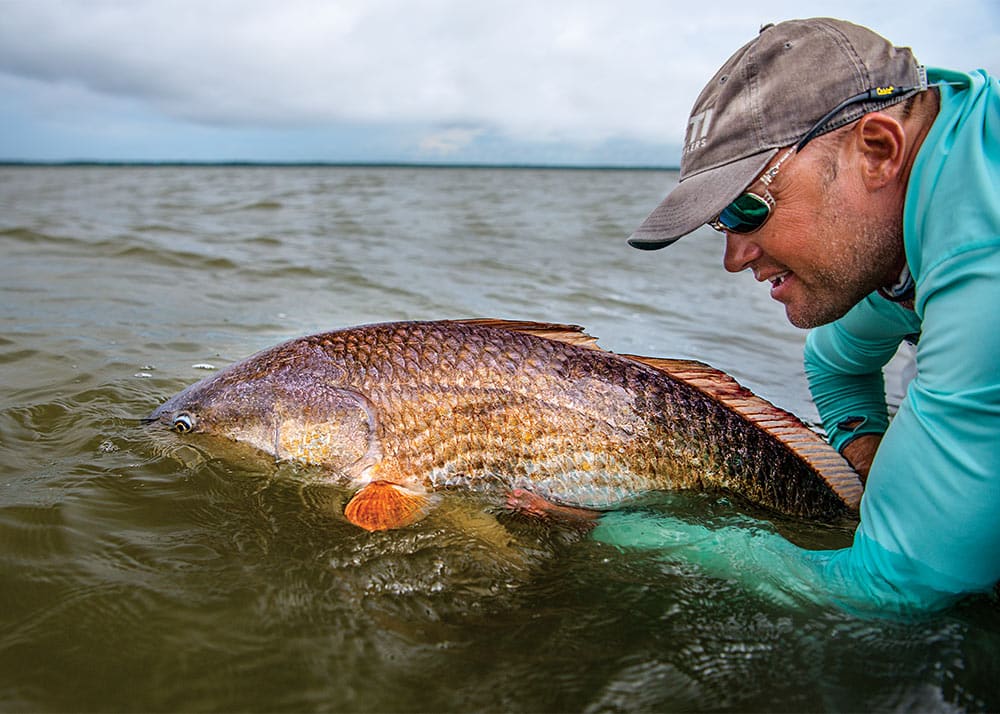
[[783, 425], [382, 505], [570, 334]]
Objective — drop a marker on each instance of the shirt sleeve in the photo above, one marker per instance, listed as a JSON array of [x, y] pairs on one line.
[[750, 553], [844, 361]]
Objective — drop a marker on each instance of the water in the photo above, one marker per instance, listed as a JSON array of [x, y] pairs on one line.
[[140, 575]]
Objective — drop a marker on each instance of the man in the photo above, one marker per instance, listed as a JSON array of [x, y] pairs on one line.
[[867, 193]]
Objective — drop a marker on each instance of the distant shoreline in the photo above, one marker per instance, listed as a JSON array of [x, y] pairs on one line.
[[5, 163]]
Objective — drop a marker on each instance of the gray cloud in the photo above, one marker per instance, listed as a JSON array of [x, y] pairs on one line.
[[537, 71]]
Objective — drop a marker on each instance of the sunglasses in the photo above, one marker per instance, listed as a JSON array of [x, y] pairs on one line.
[[749, 211]]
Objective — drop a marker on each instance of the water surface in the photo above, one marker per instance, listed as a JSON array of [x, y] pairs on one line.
[[140, 574]]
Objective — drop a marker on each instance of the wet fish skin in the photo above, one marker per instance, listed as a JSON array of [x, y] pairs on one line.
[[490, 404]]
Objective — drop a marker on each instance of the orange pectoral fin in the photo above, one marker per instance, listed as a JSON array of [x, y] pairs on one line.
[[382, 505]]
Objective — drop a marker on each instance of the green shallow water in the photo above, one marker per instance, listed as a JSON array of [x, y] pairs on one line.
[[142, 573]]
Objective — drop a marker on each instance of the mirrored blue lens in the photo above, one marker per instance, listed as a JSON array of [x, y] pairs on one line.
[[746, 214]]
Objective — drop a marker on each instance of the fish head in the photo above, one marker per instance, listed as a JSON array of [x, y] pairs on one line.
[[295, 416]]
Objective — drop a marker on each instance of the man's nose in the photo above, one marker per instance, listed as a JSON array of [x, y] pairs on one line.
[[741, 251]]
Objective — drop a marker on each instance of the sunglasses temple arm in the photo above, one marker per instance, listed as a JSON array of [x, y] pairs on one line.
[[878, 93]]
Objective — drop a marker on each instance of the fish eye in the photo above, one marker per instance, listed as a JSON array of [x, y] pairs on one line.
[[183, 423]]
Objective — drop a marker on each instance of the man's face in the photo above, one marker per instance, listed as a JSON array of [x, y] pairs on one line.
[[828, 242]]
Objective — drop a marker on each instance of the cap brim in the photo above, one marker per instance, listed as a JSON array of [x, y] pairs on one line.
[[697, 200]]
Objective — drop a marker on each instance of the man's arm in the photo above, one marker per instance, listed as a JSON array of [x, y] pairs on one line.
[[860, 453], [844, 362]]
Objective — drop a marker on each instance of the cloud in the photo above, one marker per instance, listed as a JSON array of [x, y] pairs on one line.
[[448, 142], [544, 72]]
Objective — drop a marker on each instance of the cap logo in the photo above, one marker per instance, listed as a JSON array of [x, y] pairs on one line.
[[698, 126]]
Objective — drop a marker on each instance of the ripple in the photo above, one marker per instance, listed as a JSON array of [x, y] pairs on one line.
[[166, 258], [31, 533], [17, 355], [262, 206]]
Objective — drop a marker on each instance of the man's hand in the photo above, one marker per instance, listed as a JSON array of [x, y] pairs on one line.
[[860, 452]]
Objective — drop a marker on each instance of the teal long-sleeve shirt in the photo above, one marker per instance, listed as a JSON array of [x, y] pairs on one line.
[[930, 517]]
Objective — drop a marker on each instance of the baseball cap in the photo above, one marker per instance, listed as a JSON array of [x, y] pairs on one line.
[[766, 97]]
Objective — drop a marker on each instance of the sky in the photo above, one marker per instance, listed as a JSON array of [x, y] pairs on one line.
[[541, 82]]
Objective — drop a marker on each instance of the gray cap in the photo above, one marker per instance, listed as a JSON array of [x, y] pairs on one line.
[[766, 97]]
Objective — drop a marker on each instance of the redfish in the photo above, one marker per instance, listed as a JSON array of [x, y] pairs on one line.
[[404, 409]]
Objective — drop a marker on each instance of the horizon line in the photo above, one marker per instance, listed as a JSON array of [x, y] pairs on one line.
[[332, 164]]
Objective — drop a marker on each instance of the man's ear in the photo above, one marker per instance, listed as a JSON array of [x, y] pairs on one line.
[[881, 141]]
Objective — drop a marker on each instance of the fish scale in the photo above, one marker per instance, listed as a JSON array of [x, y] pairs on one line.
[[412, 406]]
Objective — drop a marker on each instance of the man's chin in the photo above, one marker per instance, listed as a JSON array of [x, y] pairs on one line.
[[810, 316]]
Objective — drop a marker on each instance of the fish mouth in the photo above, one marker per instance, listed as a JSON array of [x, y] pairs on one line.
[[157, 416], [163, 416], [164, 411]]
